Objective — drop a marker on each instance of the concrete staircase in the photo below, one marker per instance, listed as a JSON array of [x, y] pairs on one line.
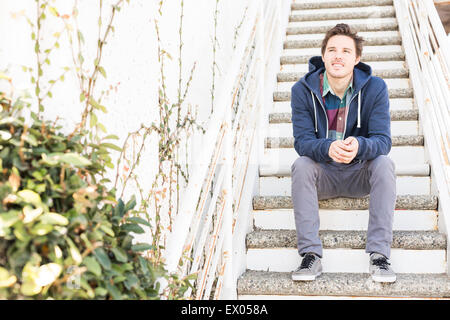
[[419, 254]]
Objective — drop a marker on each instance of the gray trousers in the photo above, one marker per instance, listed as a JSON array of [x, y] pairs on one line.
[[312, 181]]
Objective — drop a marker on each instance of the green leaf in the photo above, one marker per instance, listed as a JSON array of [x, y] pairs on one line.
[[74, 252], [96, 105], [115, 293], [80, 36], [119, 209], [30, 288], [130, 204], [102, 258], [30, 214], [5, 135], [132, 227], [30, 197], [93, 120], [132, 281], [9, 218], [102, 71], [41, 229], [111, 136], [99, 291], [53, 11], [48, 273], [93, 266], [54, 218], [111, 146], [120, 254], [139, 221], [107, 230], [141, 247], [6, 279], [69, 158]]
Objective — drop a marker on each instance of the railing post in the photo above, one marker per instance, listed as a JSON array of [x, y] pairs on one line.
[[229, 287]]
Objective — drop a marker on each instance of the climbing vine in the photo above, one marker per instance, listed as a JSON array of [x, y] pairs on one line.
[[176, 122]]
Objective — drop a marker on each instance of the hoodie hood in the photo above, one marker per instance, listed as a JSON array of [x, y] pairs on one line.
[[361, 74]]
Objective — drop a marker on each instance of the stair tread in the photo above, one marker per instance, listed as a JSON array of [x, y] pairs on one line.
[[344, 13], [405, 202], [359, 25], [343, 284], [371, 38], [332, 219], [397, 88], [400, 140], [395, 104], [315, 4], [375, 65], [283, 158], [391, 84], [350, 239], [370, 53], [365, 35], [396, 115], [382, 69]]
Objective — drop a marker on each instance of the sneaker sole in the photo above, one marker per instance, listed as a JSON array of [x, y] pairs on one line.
[[305, 277], [384, 278]]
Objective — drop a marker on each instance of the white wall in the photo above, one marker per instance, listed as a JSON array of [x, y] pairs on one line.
[[130, 59]]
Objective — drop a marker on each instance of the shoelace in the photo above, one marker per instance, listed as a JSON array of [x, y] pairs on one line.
[[308, 261], [382, 263]]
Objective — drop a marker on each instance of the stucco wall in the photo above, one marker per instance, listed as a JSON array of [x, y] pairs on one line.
[[130, 59]]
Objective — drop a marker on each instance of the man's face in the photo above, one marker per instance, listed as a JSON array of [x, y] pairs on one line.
[[340, 56]]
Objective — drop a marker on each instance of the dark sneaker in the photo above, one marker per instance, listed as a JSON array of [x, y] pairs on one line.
[[309, 269], [380, 269]]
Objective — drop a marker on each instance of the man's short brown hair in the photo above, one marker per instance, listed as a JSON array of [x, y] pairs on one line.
[[344, 30]]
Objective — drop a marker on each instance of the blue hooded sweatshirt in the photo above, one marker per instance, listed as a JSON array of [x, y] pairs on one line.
[[368, 117]]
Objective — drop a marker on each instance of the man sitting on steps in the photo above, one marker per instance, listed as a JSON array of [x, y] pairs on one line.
[[341, 125]]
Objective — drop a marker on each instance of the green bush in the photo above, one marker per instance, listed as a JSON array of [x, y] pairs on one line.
[[63, 235]]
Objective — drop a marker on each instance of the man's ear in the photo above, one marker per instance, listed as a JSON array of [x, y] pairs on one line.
[[358, 59]]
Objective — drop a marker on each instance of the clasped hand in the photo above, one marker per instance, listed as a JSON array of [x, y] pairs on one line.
[[344, 151]]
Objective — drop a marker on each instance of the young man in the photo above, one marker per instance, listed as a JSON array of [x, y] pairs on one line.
[[341, 122]]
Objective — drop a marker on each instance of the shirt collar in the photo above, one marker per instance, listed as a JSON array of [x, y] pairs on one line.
[[327, 88]]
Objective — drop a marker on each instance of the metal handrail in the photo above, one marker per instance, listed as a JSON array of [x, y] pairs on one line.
[[202, 234], [428, 58]]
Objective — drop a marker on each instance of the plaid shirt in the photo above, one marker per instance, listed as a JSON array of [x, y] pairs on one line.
[[335, 107]]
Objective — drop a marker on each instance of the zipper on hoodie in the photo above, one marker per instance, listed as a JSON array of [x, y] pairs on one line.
[[346, 116], [323, 108]]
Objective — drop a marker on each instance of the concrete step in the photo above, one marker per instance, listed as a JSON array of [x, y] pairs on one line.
[[278, 161], [395, 104], [398, 128], [382, 69], [281, 186], [343, 13], [417, 170], [359, 25], [370, 53], [344, 251], [372, 38], [401, 140], [405, 220], [403, 202], [317, 4], [351, 239], [348, 260], [396, 115], [253, 283], [398, 88]]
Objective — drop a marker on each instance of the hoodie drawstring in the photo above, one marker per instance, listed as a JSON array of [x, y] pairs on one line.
[[359, 110], [315, 112]]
